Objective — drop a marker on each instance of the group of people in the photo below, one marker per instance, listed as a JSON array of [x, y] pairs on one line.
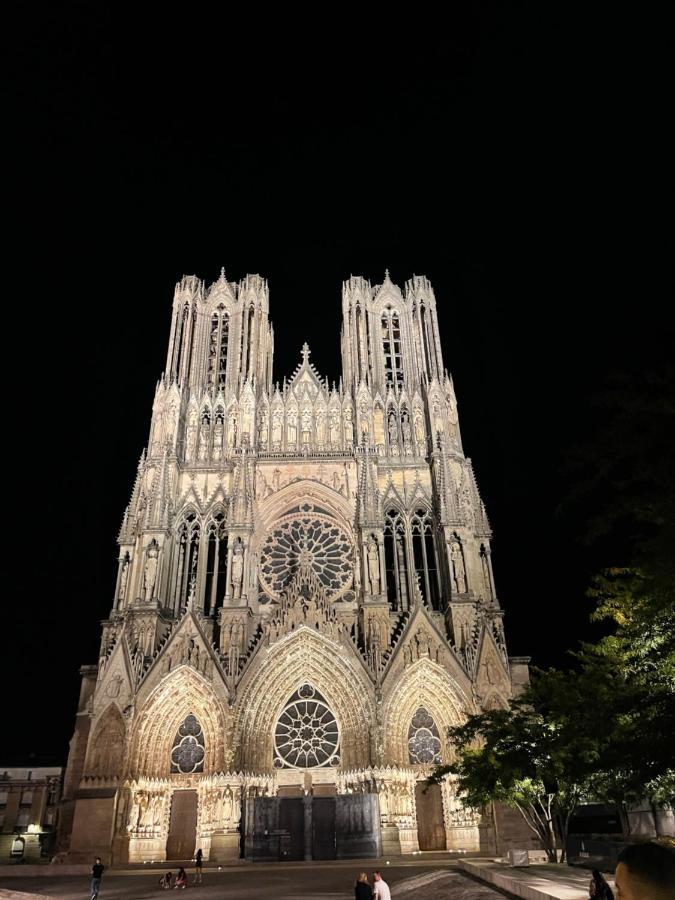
[[378, 890], [167, 880], [644, 872]]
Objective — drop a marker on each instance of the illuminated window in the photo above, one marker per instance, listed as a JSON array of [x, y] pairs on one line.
[[187, 755], [424, 742]]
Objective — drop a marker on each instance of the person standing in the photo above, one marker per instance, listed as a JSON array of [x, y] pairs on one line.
[[198, 866], [380, 887], [362, 889], [96, 875]]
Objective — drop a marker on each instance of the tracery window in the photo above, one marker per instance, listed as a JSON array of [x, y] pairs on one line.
[[424, 742], [306, 735], [307, 536], [187, 754], [218, 342], [424, 552], [216, 564], [391, 346], [188, 538]]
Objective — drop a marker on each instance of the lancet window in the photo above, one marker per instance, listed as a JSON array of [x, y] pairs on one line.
[[216, 564], [218, 342], [411, 558], [395, 560], [187, 754], [188, 538], [426, 560], [424, 741], [391, 346], [250, 337]]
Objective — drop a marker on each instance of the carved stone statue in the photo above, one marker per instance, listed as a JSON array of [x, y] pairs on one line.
[[204, 438], [419, 427], [291, 430], [150, 571], [392, 428], [190, 436], [124, 574], [237, 568], [218, 439], [405, 428], [277, 420], [373, 565], [458, 570], [349, 427]]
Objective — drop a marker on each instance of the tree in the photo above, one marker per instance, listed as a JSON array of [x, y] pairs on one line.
[[537, 764]]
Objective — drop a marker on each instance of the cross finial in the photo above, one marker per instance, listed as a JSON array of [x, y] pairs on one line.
[[305, 352], [222, 272]]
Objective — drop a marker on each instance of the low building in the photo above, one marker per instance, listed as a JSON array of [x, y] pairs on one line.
[[28, 812]]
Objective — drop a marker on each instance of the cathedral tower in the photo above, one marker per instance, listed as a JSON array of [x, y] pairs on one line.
[[304, 599]]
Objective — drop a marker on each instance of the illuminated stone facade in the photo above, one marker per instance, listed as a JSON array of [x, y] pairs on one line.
[[304, 601]]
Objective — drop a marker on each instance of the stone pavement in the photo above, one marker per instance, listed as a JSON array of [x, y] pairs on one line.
[[333, 881], [534, 882]]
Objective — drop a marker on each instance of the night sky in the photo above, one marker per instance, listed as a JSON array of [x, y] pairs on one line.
[[520, 162]]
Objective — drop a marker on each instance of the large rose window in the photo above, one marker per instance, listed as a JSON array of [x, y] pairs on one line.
[[306, 735], [307, 537]]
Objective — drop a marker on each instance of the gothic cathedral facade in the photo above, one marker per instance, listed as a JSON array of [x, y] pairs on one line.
[[304, 600]]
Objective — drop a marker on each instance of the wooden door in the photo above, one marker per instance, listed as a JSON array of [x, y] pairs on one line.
[[323, 828], [292, 820], [430, 827], [182, 826]]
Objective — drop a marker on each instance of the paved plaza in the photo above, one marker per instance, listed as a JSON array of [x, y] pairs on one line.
[[284, 882]]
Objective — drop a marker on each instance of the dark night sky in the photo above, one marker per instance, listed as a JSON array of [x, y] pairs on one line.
[[517, 160]]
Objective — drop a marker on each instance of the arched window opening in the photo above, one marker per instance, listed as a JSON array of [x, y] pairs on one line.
[[250, 329], [181, 327], [391, 347], [218, 343], [187, 753], [424, 741], [424, 553], [360, 361], [306, 735], [216, 565], [188, 556], [394, 557]]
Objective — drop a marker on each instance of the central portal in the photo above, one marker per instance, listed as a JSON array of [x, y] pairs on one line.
[[183, 826]]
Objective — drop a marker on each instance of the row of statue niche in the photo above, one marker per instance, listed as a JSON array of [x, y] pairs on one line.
[[187, 651], [148, 811], [299, 423], [149, 573], [211, 440], [405, 427], [395, 801], [222, 807], [420, 648], [337, 480]]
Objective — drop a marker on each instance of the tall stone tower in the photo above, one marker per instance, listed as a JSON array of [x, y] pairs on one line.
[[304, 599]]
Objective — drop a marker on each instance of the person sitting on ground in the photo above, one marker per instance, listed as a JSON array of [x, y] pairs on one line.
[[598, 888], [380, 887], [645, 872], [166, 880], [181, 879], [362, 890]]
